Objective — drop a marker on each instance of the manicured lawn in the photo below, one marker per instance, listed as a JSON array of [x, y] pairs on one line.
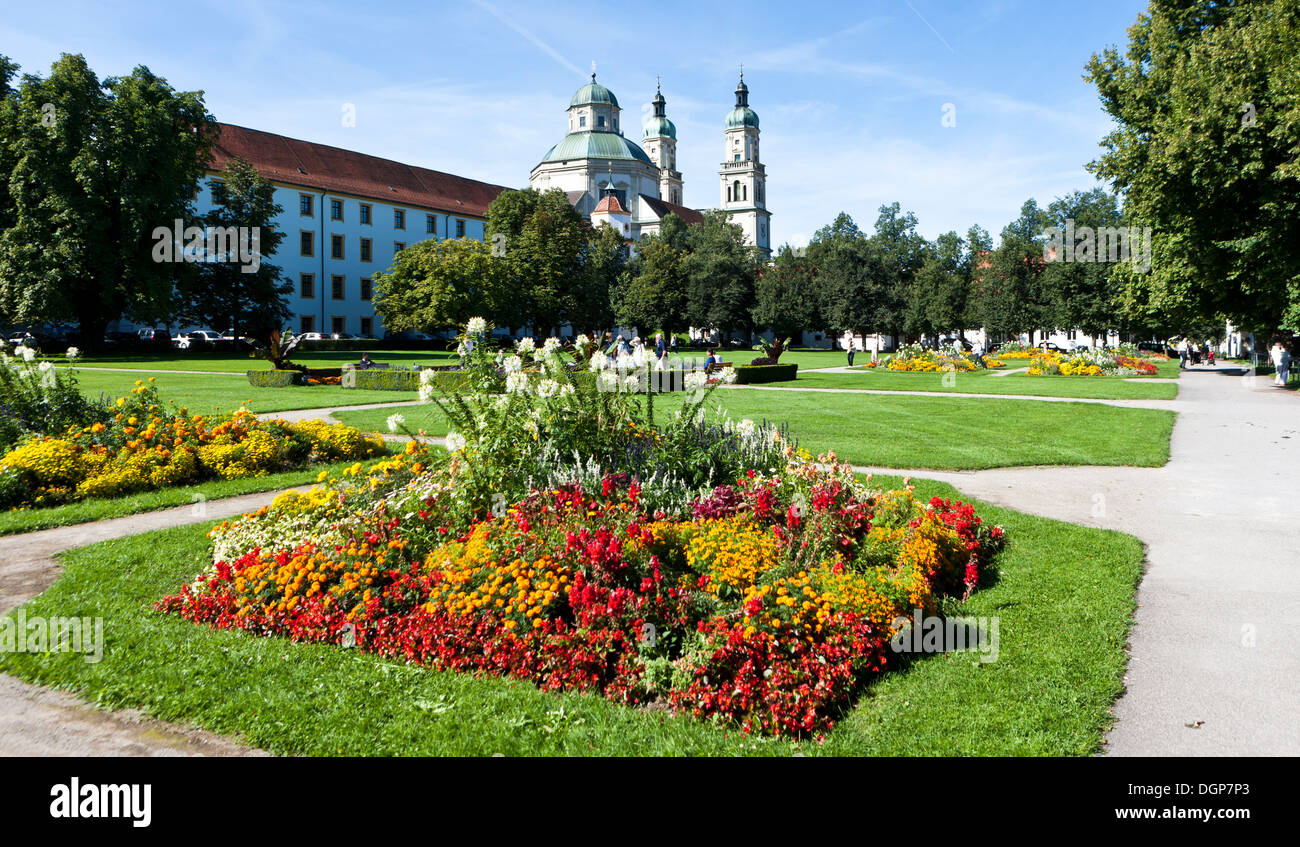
[[85, 511], [944, 433], [233, 363], [989, 382], [205, 393], [1063, 599]]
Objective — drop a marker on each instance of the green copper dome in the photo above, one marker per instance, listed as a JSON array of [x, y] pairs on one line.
[[593, 92], [595, 145], [657, 126], [742, 116]]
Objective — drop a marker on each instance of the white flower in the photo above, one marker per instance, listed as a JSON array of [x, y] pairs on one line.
[[72, 353], [632, 383], [567, 390], [426, 393], [547, 388], [514, 365], [581, 341], [516, 383], [607, 382], [454, 442], [476, 327], [526, 346], [696, 380], [746, 428], [28, 354], [598, 362], [426, 376], [549, 348], [728, 376], [45, 367], [395, 422]]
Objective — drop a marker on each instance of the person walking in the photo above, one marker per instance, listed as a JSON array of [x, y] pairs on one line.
[[1281, 365], [1182, 353], [847, 341], [977, 353]]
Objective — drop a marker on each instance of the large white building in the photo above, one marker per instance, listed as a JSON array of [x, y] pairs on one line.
[[345, 216], [595, 161]]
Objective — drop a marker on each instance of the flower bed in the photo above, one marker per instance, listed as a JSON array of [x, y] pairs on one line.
[[912, 358], [570, 539], [1090, 363], [143, 446], [768, 604]]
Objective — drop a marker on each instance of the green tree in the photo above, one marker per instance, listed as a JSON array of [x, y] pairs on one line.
[[543, 241], [436, 285], [849, 274], [786, 295], [1008, 293], [902, 251], [1081, 294], [655, 294], [1207, 153], [604, 264], [720, 269], [226, 296], [96, 167]]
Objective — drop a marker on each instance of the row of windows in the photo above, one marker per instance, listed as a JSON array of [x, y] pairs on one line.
[[307, 206], [338, 287], [307, 244], [338, 324]]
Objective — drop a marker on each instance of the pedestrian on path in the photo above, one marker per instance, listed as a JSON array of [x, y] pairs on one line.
[[848, 343], [1182, 354]]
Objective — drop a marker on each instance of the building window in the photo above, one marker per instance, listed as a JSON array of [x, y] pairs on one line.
[[306, 243], [307, 285], [336, 210], [365, 213], [365, 249], [366, 289], [600, 122], [744, 192], [367, 327], [460, 228], [582, 120], [218, 192], [737, 159], [337, 286], [338, 325], [431, 224], [399, 219], [398, 246], [306, 323], [305, 205], [336, 246]]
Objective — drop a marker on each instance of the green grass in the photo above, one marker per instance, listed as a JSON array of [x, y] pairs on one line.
[[942, 433], [86, 511], [232, 363], [1064, 599], [989, 382], [205, 393]]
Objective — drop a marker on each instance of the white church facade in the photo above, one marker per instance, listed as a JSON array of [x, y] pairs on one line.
[[634, 186]]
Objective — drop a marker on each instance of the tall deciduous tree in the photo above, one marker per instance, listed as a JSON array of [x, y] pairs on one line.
[[543, 241], [437, 285], [1207, 153], [786, 295], [226, 296], [655, 294], [96, 168], [1008, 293], [850, 276], [720, 270]]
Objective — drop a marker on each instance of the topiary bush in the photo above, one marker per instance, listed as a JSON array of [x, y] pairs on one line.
[[274, 379], [757, 374], [394, 379]]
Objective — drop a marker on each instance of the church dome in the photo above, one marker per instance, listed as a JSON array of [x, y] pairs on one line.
[[657, 126], [593, 92], [595, 145], [742, 116]]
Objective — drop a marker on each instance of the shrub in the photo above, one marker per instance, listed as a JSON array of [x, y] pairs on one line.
[[274, 379], [40, 399], [755, 374], [399, 379]]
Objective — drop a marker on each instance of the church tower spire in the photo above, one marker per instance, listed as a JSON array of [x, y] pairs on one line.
[[660, 143], [744, 179]]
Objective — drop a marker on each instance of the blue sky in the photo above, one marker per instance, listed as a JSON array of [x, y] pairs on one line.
[[851, 95]]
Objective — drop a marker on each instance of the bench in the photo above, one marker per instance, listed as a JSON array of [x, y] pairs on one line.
[[712, 369]]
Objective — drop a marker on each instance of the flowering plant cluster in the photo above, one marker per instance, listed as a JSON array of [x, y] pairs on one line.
[[1090, 363], [36, 398], [141, 446], [912, 358], [765, 602]]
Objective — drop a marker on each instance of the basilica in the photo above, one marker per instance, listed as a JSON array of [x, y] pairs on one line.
[[634, 186]]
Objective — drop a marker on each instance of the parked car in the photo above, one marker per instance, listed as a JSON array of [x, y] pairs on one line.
[[1058, 346], [407, 336], [312, 336]]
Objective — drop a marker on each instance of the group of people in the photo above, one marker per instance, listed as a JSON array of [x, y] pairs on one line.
[[851, 344], [1190, 352], [621, 348]]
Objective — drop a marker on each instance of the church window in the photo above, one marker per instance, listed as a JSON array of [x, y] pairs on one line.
[[744, 192], [582, 120], [735, 190], [600, 121], [737, 159]]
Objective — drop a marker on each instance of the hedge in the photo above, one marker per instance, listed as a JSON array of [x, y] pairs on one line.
[[755, 374], [274, 379], [393, 379]]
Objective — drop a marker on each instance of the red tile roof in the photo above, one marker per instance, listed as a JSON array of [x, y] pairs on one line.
[[610, 204], [663, 207], [325, 168]]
